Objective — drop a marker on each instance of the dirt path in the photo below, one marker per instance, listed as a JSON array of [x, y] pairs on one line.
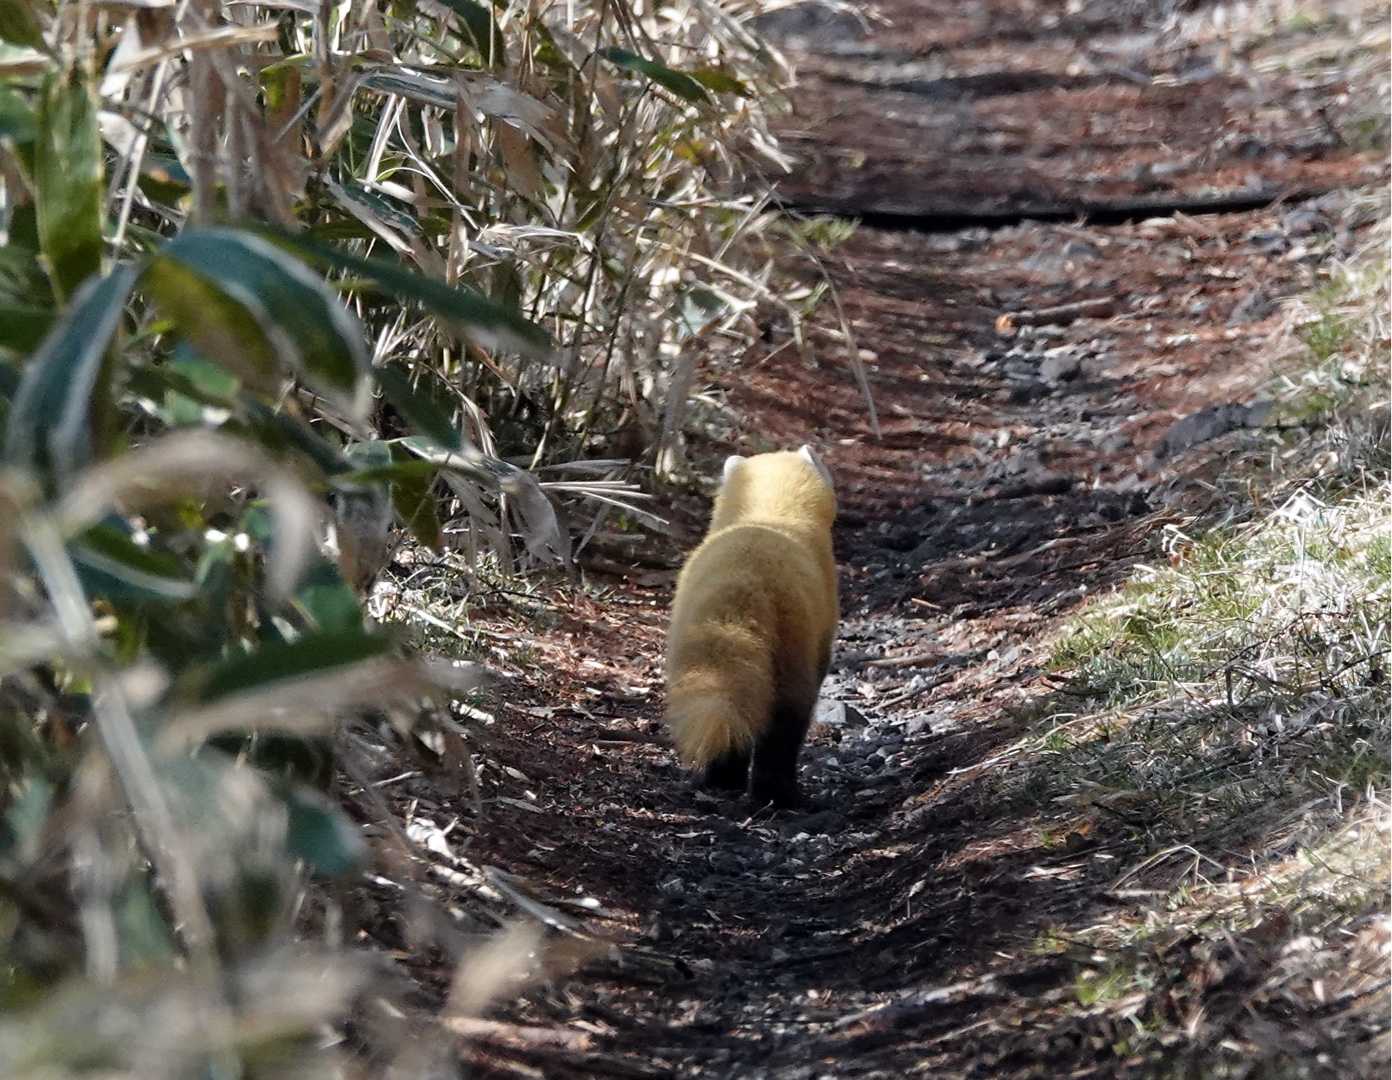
[[1027, 375]]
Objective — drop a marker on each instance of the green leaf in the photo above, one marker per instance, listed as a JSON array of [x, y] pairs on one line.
[[679, 83], [407, 468], [321, 835], [246, 303], [720, 82], [19, 24], [281, 85], [481, 26], [411, 495], [281, 432], [215, 324], [23, 327], [186, 390], [546, 53], [9, 383], [163, 178], [114, 567], [21, 280], [24, 241], [68, 182], [327, 601], [63, 405], [420, 407], [17, 120], [356, 199], [480, 319], [366, 455], [313, 653]]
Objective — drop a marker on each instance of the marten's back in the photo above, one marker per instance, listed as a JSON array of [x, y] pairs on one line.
[[756, 607]]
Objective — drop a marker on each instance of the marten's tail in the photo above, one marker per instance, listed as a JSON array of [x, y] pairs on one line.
[[719, 691]]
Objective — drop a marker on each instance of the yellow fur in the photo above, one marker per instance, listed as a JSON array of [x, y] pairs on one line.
[[756, 608]]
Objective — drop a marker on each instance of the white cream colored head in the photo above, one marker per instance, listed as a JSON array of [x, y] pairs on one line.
[[805, 452], [790, 485], [808, 455]]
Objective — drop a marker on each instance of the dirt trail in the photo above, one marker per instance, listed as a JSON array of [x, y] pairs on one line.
[[1026, 375]]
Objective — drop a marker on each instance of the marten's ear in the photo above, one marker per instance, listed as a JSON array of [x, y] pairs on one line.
[[731, 464], [807, 455]]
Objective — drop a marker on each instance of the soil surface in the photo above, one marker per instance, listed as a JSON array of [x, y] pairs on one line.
[[1032, 380], [1008, 107]]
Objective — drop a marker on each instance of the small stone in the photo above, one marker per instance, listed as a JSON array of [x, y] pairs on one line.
[[1209, 424], [919, 725], [839, 714], [1024, 393], [1060, 366], [1253, 307], [1302, 222]]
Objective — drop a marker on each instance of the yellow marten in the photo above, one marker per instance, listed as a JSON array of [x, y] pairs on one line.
[[752, 625]]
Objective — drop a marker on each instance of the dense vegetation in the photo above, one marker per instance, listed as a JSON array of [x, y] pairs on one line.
[[269, 270]]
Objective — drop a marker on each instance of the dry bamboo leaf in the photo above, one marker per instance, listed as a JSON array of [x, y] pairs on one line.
[[501, 968], [221, 37], [304, 706], [305, 7], [18, 62], [498, 101], [520, 161], [336, 115]]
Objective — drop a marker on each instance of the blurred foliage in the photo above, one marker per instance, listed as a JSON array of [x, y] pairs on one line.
[[273, 277]]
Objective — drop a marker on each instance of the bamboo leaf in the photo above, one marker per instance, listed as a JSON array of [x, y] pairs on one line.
[[249, 305], [419, 407], [22, 282], [478, 318], [411, 495], [187, 462], [328, 601], [720, 81], [280, 432], [63, 404], [313, 654], [114, 567], [215, 324], [144, 937], [678, 82], [481, 27], [19, 24], [541, 528], [17, 121], [320, 834], [68, 182], [22, 327]]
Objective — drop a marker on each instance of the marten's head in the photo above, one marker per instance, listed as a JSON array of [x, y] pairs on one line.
[[787, 486]]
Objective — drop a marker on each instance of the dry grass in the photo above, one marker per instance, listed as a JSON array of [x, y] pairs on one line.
[[1227, 713]]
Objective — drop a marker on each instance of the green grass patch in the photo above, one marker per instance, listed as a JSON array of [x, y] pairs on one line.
[[1221, 738]]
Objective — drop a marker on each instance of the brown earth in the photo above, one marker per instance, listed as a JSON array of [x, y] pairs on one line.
[[1026, 377], [1021, 106]]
